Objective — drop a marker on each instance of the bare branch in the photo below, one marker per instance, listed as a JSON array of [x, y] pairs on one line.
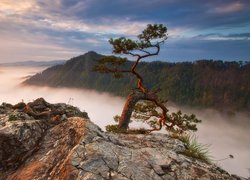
[[142, 50], [132, 54]]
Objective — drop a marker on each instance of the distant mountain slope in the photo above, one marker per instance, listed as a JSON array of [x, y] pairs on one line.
[[203, 83], [34, 63]]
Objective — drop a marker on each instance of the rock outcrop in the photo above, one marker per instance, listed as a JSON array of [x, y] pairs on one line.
[[75, 148]]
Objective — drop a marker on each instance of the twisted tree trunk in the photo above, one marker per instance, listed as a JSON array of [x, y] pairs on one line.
[[142, 93], [128, 108], [147, 45], [130, 103]]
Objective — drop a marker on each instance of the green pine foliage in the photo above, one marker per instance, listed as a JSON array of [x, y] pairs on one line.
[[177, 122]]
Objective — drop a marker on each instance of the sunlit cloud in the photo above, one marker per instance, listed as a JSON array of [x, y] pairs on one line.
[[46, 18], [16, 7], [79, 25], [30, 46], [224, 38], [230, 8], [92, 41], [229, 37], [178, 32], [104, 27]]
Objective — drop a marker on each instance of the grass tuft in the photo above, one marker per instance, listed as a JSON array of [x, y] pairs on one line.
[[194, 148]]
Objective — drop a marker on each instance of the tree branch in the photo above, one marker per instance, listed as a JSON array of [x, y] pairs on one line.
[[132, 54], [142, 50]]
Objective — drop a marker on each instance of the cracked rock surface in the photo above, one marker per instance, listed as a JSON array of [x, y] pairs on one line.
[[76, 148]]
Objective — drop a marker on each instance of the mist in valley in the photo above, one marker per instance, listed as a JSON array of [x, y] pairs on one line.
[[224, 133]]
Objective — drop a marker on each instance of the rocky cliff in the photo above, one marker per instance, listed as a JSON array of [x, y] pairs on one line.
[[40, 140]]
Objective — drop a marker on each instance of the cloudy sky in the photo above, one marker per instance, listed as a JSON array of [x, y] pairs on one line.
[[60, 29]]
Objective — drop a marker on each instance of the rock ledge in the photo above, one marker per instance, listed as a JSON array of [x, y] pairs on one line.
[[75, 148]]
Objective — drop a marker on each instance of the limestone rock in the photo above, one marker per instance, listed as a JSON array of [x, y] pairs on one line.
[[75, 148], [18, 140]]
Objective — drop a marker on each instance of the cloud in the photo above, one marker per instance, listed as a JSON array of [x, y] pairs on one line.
[[16, 7], [190, 49], [33, 46], [193, 13], [230, 8], [218, 36], [104, 27], [49, 15], [79, 25], [42, 32]]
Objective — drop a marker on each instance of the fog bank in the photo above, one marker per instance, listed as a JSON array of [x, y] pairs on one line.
[[101, 107], [225, 134]]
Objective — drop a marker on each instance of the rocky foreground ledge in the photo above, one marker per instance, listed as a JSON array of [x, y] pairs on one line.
[[40, 140]]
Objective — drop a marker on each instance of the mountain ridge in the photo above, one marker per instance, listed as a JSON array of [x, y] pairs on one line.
[[205, 83]]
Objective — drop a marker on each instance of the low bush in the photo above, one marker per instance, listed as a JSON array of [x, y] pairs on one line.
[[115, 129], [12, 117]]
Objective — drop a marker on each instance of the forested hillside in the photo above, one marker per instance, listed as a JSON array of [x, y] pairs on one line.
[[204, 83]]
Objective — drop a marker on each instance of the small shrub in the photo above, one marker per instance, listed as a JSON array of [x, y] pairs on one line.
[[115, 129], [137, 131], [117, 118], [12, 117]]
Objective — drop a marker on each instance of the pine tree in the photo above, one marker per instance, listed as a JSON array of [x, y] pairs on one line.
[[143, 103]]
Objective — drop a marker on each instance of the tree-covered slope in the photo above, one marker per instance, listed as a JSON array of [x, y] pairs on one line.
[[204, 83]]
